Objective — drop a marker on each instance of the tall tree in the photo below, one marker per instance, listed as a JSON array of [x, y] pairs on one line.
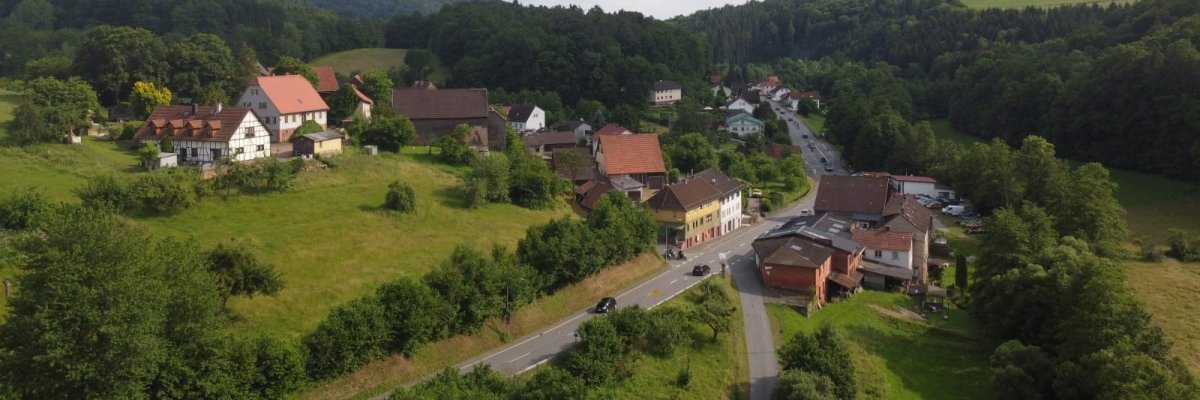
[[204, 70], [241, 273], [146, 96], [52, 109], [692, 153], [378, 86], [293, 66], [111, 59]]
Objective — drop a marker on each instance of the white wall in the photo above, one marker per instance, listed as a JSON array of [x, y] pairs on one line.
[[742, 104], [203, 150], [918, 188], [902, 259], [254, 98], [731, 213], [743, 128], [667, 96]]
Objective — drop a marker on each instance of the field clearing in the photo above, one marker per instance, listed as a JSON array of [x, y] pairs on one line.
[[718, 369], [814, 122], [358, 60], [396, 371], [896, 357], [1168, 290], [1153, 203], [332, 244], [1038, 3]]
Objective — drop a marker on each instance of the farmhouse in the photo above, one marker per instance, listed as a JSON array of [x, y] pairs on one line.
[[544, 143], [580, 128], [283, 103], [326, 80], [740, 104], [636, 158], [809, 253], [207, 134], [526, 118], [794, 98], [743, 124], [435, 112], [666, 93]]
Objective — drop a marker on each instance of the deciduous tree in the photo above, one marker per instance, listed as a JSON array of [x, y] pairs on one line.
[[146, 96]]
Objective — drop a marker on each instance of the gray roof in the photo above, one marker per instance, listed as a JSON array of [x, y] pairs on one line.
[[323, 136], [885, 270], [722, 182], [667, 85], [520, 112]]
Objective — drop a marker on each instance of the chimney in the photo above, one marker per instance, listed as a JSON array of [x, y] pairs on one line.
[[218, 109], [195, 108]]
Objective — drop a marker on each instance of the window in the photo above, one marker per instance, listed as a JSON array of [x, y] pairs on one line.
[[193, 152], [249, 131], [262, 106], [254, 92], [261, 147], [895, 255], [239, 150], [320, 145], [878, 253]]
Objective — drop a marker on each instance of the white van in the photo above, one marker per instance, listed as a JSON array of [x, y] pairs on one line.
[[953, 210]]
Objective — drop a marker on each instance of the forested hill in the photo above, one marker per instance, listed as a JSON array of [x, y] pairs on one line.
[[33, 29], [1115, 84], [381, 8], [612, 58]]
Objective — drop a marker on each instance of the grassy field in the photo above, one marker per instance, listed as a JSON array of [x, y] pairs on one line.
[[719, 369], [332, 245], [358, 60], [814, 122], [1153, 203], [395, 371], [898, 355], [1037, 3], [1168, 290]]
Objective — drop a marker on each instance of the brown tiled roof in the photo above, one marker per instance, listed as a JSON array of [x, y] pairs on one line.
[[585, 187], [440, 104], [684, 195], [326, 79], [593, 196], [910, 209], [612, 129], [883, 239], [291, 93], [794, 251], [719, 180], [363, 97], [550, 137], [205, 125], [632, 154], [852, 194]]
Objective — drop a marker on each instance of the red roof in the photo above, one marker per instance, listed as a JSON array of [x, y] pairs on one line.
[[326, 79], [884, 240], [613, 129], [913, 178], [852, 194], [418, 104], [363, 97], [206, 124], [291, 93], [632, 154]]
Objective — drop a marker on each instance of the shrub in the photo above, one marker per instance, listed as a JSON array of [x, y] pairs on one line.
[[1147, 249], [354, 334], [597, 358], [106, 191], [162, 192], [278, 368], [415, 312], [128, 129], [22, 209], [400, 197]]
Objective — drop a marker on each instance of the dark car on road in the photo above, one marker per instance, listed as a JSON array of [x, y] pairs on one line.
[[824, 160], [828, 168], [701, 270], [606, 304], [805, 136]]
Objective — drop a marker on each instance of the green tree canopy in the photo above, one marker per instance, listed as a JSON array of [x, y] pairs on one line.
[[53, 108], [692, 153], [293, 66], [111, 59], [146, 96]]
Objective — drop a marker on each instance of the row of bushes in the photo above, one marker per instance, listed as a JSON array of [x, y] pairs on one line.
[[515, 176], [470, 287], [816, 366], [169, 191]]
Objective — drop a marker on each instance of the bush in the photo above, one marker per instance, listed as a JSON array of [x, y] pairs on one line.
[[162, 192], [823, 353], [1182, 246], [415, 312], [552, 384], [23, 209], [278, 368], [1147, 250], [400, 197], [354, 334], [128, 129], [804, 385], [106, 191], [597, 358]]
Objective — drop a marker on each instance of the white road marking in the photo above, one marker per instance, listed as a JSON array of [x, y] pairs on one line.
[[673, 282], [518, 358], [535, 365]]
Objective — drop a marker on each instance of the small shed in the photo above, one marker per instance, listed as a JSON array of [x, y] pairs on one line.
[[320, 143], [371, 149], [164, 160]]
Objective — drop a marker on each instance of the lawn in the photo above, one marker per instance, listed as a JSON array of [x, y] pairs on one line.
[[357, 60], [397, 370], [332, 244], [899, 357], [1168, 290], [1037, 3], [1154, 203], [814, 122], [719, 369]]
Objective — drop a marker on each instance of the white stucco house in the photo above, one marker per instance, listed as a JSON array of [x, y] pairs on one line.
[[666, 93], [886, 247], [740, 104], [909, 184], [743, 124], [284, 102], [794, 98], [206, 134], [731, 198], [526, 117]]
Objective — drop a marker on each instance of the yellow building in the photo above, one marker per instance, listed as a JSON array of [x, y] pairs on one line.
[[322, 144], [688, 212]]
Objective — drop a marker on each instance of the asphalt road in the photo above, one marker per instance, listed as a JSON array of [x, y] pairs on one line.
[[802, 136], [538, 348]]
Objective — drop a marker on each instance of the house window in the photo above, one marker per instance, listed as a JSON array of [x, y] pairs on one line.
[[878, 253], [262, 106], [254, 92], [239, 150], [193, 152], [249, 131], [261, 147], [895, 255]]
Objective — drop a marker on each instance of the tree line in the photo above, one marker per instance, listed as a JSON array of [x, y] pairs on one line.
[[1111, 84]]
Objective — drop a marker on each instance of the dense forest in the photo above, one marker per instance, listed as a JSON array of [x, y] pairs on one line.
[[612, 58], [376, 8], [33, 30], [1114, 84]]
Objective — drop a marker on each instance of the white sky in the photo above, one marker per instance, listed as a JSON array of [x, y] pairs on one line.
[[661, 9]]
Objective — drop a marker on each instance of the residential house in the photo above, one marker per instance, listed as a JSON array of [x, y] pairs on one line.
[[714, 79], [860, 198], [284, 102], [544, 143], [751, 97], [327, 82], [607, 130], [326, 143], [794, 98], [740, 104], [743, 124], [666, 93], [527, 118], [435, 112], [767, 84], [588, 194], [724, 90], [909, 184], [807, 254], [424, 85], [688, 212], [207, 134], [636, 157], [904, 213], [581, 129], [780, 94], [731, 198], [363, 107]]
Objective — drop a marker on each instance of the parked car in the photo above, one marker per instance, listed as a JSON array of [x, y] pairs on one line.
[[828, 168], [953, 210], [755, 192], [606, 304], [812, 146], [807, 212], [824, 160], [701, 270]]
